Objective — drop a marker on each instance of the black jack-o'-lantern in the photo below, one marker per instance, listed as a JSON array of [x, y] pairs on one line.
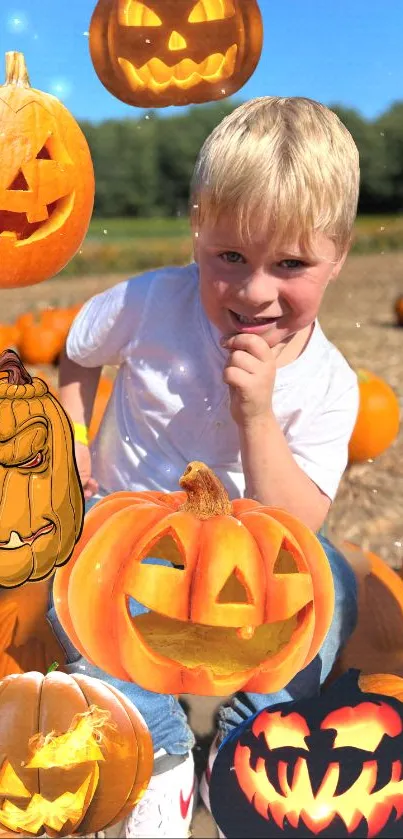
[[327, 766], [175, 52]]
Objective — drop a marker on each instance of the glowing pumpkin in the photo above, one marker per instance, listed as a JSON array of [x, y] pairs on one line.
[[75, 754], [247, 604], [41, 497], [378, 418], [329, 766], [163, 52], [46, 181]]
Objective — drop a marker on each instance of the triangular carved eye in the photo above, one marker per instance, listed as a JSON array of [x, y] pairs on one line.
[[10, 783], [44, 154], [19, 182], [285, 562], [234, 590]]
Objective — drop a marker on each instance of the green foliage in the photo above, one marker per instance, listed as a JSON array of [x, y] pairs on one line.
[[143, 166]]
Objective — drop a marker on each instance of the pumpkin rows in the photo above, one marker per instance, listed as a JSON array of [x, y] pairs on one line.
[[39, 337]]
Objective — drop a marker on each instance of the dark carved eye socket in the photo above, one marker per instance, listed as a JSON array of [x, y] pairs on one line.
[[166, 550], [19, 182], [285, 562], [235, 589], [43, 154]]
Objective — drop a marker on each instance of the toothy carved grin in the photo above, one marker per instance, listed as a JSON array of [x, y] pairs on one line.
[[17, 226], [157, 75], [16, 541]]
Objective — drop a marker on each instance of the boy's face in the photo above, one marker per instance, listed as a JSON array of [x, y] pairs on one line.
[[251, 289]]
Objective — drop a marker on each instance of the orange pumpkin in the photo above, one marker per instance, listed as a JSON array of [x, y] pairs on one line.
[[156, 53], [382, 683], [378, 418], [75, 754], [27, 641], [246, 605], [102, 397], [399, 310], [46, 181]]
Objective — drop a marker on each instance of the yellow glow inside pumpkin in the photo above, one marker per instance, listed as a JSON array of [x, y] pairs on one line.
[[155, 75], [54, 814], [77, 745], [138, 14], [206, 10]]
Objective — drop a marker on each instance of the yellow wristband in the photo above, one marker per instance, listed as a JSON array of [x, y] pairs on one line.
[[80, 433]]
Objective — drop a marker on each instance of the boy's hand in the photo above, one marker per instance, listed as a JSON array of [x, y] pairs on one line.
[[250, 373], [83, 458]]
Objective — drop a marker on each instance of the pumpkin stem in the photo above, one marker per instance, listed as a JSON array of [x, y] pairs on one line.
[[52, 667], [11, 363], [16, 70], [206, 495]]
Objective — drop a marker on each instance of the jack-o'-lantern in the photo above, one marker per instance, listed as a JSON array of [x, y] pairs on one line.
[[75, 754], [46, 181], [41, 498], [246, 601], [330, 765], [156, 53]]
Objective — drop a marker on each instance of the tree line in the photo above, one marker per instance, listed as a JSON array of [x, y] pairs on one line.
[[143, 166]]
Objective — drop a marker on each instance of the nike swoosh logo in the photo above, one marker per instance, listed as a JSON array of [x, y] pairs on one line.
[[185, 802]]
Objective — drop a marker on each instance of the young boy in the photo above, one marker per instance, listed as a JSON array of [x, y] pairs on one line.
[[224, 361]]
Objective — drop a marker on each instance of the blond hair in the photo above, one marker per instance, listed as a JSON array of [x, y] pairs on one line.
[[284, 167]]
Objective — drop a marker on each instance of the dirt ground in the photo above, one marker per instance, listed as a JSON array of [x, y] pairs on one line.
[[357, 315]]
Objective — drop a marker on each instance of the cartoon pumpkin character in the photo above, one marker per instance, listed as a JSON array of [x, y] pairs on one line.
[[330, 765], [156, 53], [75, 754], [245, 602], [46, 181], [41, 498]]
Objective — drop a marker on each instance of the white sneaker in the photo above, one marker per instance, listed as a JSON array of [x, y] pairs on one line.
[[166, 808], [205, 780]]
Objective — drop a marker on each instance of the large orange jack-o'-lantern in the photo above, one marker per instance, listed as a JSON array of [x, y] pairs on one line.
[[247, 603], [41, 498], [330, 765], [75, 755], [174, 52], [46, 181]]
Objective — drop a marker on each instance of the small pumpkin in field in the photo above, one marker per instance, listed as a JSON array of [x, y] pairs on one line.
[[378, 419], [246, 602], [327, 765], [75, 754], [156, 53], [102, 396], [46, 181], [399, 310], [41, 497]]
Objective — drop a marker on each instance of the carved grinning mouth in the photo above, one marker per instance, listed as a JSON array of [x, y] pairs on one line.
[[16, 541], [16, 226], [157, 75]]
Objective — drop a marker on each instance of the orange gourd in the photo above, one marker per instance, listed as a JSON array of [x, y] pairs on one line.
[[378, 418], [46, 181], [156, 53], [102, 397], [247, 603], [75, 754]]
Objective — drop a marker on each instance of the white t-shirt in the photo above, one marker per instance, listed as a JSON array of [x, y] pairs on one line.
[[170, 405]]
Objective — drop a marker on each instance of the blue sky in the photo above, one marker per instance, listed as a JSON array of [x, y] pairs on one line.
[[347, 52]]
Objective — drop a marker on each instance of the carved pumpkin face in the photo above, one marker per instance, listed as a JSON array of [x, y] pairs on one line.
[[330, 765], [41, 498], [245, 601], [85, 768], [164, 52], [46, 181]]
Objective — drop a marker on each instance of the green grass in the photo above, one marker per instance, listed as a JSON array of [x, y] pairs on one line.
[[116, 229]]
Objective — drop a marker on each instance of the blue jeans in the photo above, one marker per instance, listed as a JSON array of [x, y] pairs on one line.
[[164, 715]]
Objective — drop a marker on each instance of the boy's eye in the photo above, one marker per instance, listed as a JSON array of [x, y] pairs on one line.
[[292, 264], [232, 256]]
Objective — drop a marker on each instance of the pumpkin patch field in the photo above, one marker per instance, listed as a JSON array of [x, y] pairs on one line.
[[358, 315]]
